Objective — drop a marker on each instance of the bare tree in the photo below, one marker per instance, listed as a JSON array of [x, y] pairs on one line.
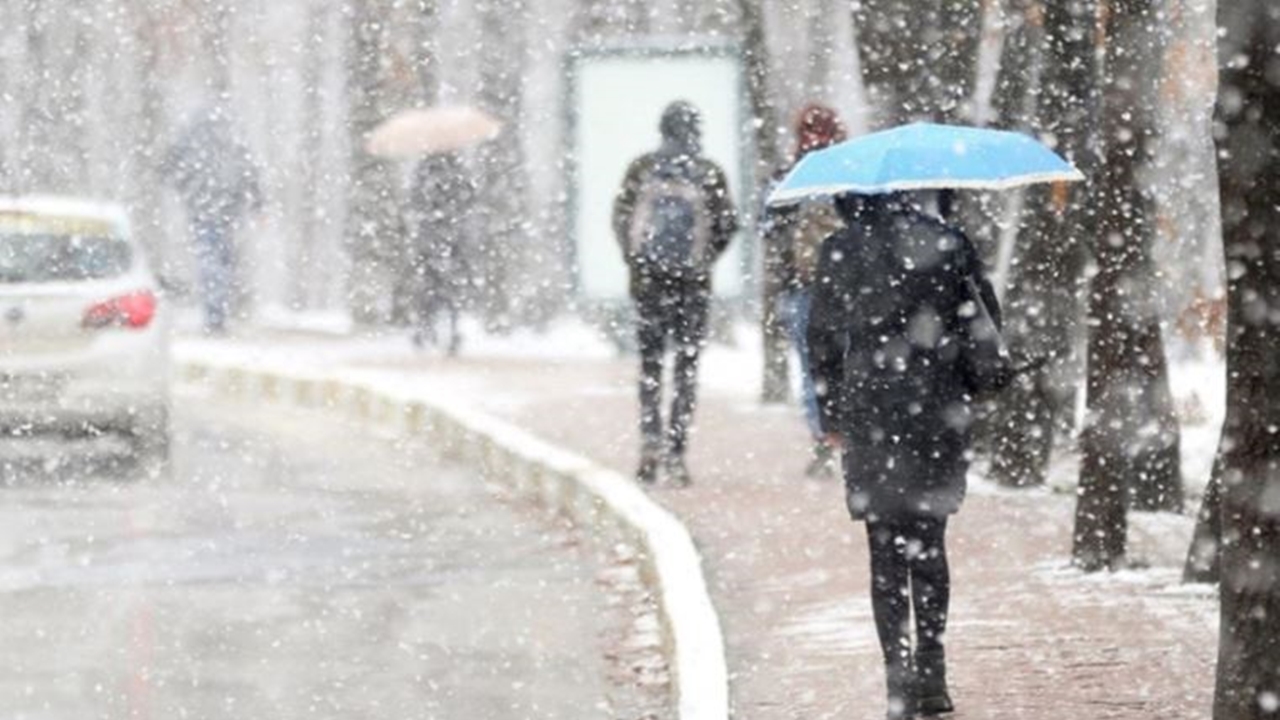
[[1204, 557], [147, 148], [50, 155], [1014, 97], [1042, 303], [919, 57], [1242, 503], [503, 244], [1130, 441], [425, 32], [765, 124], [372, 237]]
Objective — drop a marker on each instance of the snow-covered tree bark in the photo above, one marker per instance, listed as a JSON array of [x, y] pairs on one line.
[[765, 125], [1204, 557], [1248, 135], [425, 29], [1013, 100], [1130, 441], [147, 148], [373, 233], [503, 241], [1042, 306], [919, 57]]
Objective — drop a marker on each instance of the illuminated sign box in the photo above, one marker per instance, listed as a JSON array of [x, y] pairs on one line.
[[616, 98]]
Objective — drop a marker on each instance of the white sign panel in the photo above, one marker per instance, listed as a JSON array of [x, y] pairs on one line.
[[618, 99]]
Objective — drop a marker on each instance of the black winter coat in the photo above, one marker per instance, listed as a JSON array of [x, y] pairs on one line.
[[885, 345]]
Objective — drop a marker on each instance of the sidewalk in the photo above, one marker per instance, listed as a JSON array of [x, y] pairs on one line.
[[1029, 638]]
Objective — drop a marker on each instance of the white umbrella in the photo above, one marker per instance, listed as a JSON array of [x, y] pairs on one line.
[[422, 131]]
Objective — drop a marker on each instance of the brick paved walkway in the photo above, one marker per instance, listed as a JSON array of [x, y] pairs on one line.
[[1029, 638]]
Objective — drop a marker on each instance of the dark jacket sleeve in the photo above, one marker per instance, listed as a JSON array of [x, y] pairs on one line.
[[826, 335], [624, 204], [720, 203]]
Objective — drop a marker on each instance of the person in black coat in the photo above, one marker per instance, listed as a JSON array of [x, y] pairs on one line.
[[886, 337], [670, 264], [439, 218]]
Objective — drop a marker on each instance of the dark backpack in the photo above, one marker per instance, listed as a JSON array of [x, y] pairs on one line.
[[671, 227]]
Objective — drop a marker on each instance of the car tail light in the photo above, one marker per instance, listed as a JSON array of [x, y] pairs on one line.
[[134, 310]]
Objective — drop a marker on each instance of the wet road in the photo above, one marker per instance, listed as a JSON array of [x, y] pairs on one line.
[[288, 568]]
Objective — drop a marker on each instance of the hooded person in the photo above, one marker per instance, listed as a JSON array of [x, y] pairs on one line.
[[795, 233], [897, 303], [672, 218]]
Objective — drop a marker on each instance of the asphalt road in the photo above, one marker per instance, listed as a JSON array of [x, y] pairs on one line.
[[286, 568]]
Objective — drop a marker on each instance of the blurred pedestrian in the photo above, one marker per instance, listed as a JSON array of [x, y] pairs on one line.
[[896, 300], [218, 181], [797, 232], [673, 218], [442, 200]]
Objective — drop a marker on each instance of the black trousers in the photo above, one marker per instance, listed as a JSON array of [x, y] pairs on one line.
[[909, 574], [672, 310]]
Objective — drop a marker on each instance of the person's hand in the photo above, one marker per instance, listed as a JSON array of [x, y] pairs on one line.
[[834, 440]]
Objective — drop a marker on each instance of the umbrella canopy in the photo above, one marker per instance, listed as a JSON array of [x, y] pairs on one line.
[[924, 156], [423, 131]]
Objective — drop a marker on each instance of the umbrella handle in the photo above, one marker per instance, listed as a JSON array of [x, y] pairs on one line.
[[1031, 365]]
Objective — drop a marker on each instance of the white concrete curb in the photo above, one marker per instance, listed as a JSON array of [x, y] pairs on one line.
[[598, 499]]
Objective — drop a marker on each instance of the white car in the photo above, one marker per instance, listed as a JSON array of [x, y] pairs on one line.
[[84, 330]]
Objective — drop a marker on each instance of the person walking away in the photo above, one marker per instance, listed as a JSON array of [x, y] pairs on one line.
[[797, 231], [442, 199], [673, 218], [894, 305], [218, 181]]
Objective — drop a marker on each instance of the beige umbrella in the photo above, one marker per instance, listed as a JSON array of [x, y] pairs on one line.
[[422, 131]]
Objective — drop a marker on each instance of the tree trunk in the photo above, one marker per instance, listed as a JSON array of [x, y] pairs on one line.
[[1013, 99], [425, 40], [1130, 441], [506, 287], [1248, 133], [1042, 306], [821, 52], [311, 215], [372, 236], [769, 159], [148, 147], [919, 57], [1204, 557]]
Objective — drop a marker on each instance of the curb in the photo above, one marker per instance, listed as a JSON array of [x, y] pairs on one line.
[[602, 501]]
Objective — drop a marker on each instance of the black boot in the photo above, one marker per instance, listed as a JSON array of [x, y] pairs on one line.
[[901, 686], [677, 471], [931, 684], [647, 474]]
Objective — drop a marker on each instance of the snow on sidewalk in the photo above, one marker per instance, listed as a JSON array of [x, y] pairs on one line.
[[1030, 637]]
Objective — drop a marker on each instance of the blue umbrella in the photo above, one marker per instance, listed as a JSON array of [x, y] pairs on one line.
[[924, 156]]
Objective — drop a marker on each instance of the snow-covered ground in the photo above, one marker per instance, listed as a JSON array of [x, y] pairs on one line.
[[328, 341]]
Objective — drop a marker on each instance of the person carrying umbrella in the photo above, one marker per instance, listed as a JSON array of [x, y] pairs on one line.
[[885, 351], [441, 202], [903, 335], [439, 216], [673, 218]]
